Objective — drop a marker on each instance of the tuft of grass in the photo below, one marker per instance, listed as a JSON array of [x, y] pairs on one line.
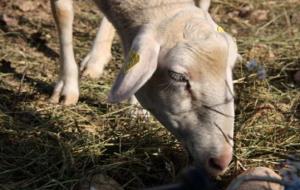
[[45, 146]]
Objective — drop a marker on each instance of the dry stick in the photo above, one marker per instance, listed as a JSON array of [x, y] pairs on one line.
[[241, 80], [268, 23], [22, 79], [117, 111]]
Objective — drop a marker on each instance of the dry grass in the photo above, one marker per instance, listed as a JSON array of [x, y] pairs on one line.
[[44, 146]]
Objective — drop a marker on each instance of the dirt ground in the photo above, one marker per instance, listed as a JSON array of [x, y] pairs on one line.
[[46, 146]]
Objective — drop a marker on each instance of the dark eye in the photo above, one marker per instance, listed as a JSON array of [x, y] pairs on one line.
[[178, 77]]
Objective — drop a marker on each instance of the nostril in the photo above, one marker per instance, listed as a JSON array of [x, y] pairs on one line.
[[215, 164], [221, 162]]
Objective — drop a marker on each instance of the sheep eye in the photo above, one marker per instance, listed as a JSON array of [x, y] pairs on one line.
[[178, 77]]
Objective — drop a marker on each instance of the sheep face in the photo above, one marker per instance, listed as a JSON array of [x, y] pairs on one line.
[[191, 93], [188, 87]]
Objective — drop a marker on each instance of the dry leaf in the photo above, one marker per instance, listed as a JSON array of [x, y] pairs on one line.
[[271, 55], [259, 16], [27, 5]]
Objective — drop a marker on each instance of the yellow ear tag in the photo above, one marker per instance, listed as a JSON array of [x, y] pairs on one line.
[[134, 58], [220, 29]]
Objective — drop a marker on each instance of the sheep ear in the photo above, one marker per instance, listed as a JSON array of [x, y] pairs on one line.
[[140, 64], [233, 56], [204, 4]]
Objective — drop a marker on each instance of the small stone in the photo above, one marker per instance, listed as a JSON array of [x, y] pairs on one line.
[[99, 182], [9, 21], [297, 77], [251, 65], [245, 11], [259, 185], [261, 73]]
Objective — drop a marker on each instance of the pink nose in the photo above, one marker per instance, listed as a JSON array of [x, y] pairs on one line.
[[220, 163]]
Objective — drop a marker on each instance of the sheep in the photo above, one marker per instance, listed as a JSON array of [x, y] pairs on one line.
[[178, 64]]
